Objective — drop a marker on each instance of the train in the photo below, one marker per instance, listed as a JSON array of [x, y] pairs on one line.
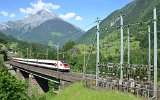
[[52, 64]]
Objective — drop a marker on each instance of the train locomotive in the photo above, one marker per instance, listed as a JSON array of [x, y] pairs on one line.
[[52, 64]]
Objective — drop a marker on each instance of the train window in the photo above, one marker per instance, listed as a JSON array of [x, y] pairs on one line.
[[48, 63], [55, 64]]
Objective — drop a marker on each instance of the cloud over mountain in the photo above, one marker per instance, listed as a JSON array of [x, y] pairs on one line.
[[40, 5], [6, 14], [37, 6]]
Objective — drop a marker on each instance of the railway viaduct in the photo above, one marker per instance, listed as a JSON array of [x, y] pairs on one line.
[[38, 77]]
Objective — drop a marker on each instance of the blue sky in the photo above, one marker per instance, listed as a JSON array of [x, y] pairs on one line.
[[78, 12]]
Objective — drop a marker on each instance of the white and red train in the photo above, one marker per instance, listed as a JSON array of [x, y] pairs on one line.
[[53, 64]]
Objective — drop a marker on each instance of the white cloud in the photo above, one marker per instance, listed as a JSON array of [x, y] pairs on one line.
[[26, 16], [12, 15], [70, 15], [39, 5], [78, 18], [4, 13], [67, 16]]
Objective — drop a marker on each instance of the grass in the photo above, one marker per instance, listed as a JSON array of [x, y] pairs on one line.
[[76, 91], [45, 96]]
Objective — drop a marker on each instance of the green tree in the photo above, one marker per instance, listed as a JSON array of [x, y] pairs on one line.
[[69, 45], [10, 87]]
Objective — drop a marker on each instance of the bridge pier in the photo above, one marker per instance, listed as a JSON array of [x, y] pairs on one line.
[[14, 68], [37, 85], [63, 84], [21, 74]]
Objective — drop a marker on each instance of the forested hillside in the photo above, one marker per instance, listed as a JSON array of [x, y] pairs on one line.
[[35, 50]]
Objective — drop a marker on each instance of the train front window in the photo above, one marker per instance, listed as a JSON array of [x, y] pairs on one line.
[[65, 64]]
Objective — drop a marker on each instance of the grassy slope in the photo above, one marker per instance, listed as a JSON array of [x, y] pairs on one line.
[[78, 92], [109, 44], [113, 41]]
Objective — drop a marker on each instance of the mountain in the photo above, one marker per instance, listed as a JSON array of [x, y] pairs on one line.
[[137, 10], [42, 27]]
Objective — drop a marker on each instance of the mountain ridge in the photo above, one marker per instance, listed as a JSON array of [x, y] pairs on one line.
[[28, 29], [134, 12]]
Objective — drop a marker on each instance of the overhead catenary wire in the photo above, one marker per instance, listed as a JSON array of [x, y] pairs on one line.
[[125, 14], [141, 23], [117, 27], [88, 25]]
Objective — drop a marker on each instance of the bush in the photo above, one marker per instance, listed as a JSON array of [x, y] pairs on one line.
[[1, 59], [10, 87]]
